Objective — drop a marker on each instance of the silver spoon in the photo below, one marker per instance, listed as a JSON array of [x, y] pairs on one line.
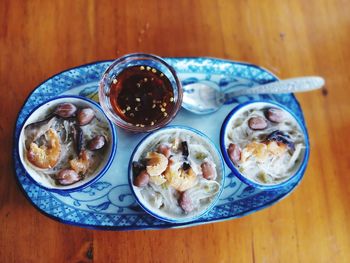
[[206, 97]]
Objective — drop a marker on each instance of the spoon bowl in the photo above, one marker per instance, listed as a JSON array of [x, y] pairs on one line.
[[202, 97], [206, 97]]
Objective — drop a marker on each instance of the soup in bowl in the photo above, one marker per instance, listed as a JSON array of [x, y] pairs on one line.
[[176, 174], [264, 144]]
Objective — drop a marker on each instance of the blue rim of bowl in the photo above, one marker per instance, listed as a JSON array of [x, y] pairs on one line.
[[104, 169], [120, 228], [167, 219], [233, 168]]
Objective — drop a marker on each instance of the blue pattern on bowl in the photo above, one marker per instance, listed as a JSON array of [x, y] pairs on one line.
[[299, 173], [101, 172], [108, 203], [153, 212]]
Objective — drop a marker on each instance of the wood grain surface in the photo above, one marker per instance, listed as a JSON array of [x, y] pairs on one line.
[[291, 38]]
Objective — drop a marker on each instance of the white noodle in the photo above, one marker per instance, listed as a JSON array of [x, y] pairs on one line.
[[68, 152], [165, 197], [275, 168]]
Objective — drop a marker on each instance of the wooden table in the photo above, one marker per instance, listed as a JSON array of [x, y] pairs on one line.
[[291, 38]]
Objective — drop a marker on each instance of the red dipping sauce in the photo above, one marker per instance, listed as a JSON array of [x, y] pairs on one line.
[[140, 92], [142, 96]]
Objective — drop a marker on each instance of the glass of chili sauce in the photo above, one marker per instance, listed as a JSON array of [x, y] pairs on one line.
[[140, 92]]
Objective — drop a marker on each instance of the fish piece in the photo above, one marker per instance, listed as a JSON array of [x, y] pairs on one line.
[[45, 156]]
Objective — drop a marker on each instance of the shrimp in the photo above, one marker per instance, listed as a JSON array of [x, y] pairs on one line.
[[35, 130], [157, 163], [261, 151], [45, 157], [81, 165], [181, 179]]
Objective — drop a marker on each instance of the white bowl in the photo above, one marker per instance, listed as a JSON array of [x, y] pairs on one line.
[[224, 142], [38, 114], [142, 147]]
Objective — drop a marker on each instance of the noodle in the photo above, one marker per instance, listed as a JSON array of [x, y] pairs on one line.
[[200, 190], [262, 159], [68, 146]]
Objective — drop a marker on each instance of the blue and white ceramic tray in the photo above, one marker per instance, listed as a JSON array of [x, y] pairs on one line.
[[109, 203]]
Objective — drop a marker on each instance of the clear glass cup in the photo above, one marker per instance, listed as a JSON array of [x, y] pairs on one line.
[[138, 59]]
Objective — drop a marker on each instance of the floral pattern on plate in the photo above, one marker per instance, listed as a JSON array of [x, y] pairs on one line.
[[109, 203]]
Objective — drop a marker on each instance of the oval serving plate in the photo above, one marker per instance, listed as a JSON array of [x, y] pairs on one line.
[[109, 203]]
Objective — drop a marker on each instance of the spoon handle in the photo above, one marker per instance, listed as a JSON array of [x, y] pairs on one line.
[[283, 86]]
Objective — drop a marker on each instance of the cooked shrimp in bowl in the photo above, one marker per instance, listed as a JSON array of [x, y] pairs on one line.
[[176, 174], [66, 143], [264, 144]]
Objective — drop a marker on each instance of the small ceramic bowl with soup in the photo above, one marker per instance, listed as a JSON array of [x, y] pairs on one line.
[[264, 144], [176, 174], [66, 144]]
